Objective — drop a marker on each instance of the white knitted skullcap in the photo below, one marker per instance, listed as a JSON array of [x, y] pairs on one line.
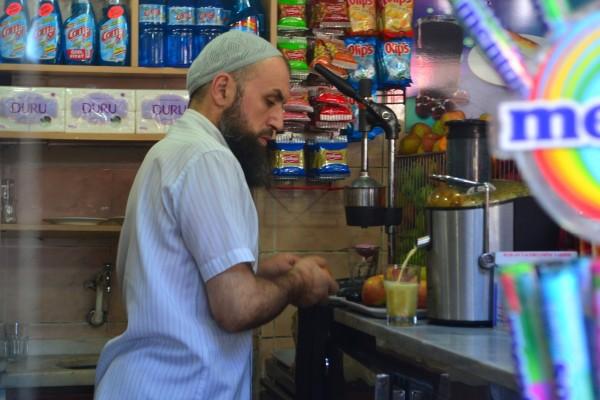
[[228, 52]]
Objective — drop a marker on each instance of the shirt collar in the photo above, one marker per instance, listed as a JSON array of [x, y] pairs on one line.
[[194, 118]]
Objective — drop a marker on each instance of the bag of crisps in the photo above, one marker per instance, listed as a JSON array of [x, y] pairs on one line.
[[363, 17], [395, 18]]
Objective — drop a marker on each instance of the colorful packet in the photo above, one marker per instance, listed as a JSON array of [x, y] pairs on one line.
[[287, 156], [292, 15], [394, 63], [565, 329], [529, 347], [330, 96], [333, 113], [329, 14], [327, 157], [363, 50], [298, 100], [294, 51], [363, 17], [395, 18]]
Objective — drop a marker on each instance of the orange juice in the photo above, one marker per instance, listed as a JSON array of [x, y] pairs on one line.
[[401, 298]]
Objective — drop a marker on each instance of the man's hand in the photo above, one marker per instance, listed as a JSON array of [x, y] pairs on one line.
[[316, 282], [277, 265]]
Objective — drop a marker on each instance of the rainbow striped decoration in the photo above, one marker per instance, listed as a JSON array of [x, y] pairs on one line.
[[571, 70], [566, 180]]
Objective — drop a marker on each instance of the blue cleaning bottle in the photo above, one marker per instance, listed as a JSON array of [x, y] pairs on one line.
[[180, 33], [13, 31], [245, 17], [80, 34], [211, 20], [113, 35], [152, 21], [44, 41]]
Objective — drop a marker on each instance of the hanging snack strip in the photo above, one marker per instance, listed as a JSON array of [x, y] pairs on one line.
[[326, 158], [292, 16], [294, 51], [287, 156]]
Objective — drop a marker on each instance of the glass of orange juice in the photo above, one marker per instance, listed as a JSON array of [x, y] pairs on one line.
[[401, 285]]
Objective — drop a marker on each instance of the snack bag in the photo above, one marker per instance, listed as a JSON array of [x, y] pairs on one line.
[[294, 51], [363, 17], [326, 158], [329, 14], [395, 18], [394, 63], [292, 15], [287, 156], [363, 50]]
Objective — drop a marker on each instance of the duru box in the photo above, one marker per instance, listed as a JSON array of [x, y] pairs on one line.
[[100, 110], [32, 109], [157, 110]]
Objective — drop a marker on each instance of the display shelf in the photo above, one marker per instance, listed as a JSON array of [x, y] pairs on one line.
[[57, 231], [90, 70], [119, 137]]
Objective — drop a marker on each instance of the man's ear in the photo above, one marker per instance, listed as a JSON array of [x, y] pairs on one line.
[[223, 89]]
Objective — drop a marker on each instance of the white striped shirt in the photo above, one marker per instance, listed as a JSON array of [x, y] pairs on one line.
[[190, 216]]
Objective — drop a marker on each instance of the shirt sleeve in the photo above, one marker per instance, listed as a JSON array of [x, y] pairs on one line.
[[216, 213]]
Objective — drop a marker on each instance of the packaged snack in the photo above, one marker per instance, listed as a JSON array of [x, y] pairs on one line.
[[292, 15], [393, 58], [335, 113], [363, 50], [298, 100], [295, 116], [395, 18], [363, 17], [331, 96], [327, 157], [287, 156], [294, 51], [329, 14]]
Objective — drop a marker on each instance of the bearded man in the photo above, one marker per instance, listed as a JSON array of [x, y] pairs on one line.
[[188, 250]]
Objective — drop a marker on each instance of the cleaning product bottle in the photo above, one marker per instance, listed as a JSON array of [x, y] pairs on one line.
[[13, 31], [80, 34], [44, 41], [152, 17], [245, 17], [211, 21], [180, 32], [113, 35]]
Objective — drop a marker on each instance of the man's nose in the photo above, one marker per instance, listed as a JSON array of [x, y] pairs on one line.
[[276, 119]]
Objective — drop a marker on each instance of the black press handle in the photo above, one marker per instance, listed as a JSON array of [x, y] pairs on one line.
[[338, 82]]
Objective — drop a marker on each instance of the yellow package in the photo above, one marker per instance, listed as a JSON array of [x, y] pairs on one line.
[[363, 17], [395, 18]]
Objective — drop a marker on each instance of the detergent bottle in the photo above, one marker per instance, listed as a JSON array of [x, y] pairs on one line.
[[113, 35], [13, 31], [44, 41], [80, 34]]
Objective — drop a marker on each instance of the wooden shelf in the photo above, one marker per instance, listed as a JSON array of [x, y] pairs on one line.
[[91, 70], [125, 137], [57, 231]]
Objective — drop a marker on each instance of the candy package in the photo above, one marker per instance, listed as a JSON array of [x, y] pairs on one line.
[[294, 51], [363, 50], [326, 158], [395, 18], [292, 15], [329, 14], [393, 58], [287, 156]]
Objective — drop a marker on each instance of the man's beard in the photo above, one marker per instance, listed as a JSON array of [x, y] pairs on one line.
[[245, 145]]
